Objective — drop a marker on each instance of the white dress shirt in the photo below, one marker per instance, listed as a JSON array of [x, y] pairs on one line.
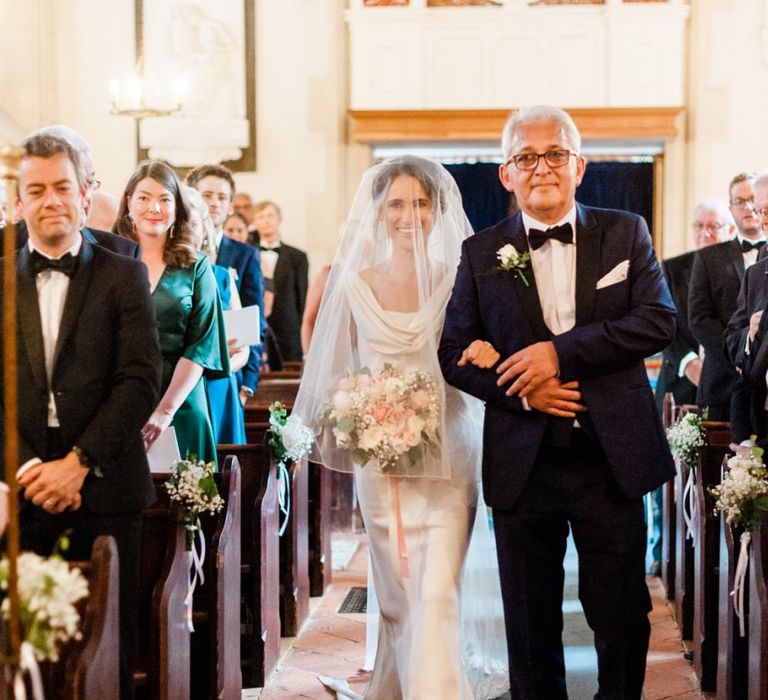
[[554, 267], [750, 257], [269, 257], [52, 288]]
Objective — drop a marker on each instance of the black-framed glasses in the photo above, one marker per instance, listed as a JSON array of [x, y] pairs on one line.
[[555, 158], [741, 202], [762, 212], [712, 227]]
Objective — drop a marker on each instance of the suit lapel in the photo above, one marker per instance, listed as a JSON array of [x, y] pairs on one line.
[[737, 259], [588, 240], [28, 314], [78, 287], [528, 295]]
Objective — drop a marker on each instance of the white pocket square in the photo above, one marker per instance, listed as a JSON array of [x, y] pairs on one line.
[[618, 274]]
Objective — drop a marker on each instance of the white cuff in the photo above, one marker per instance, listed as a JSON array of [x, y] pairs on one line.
[[525, 404], [746, 346], [684, 363], [27, 465]]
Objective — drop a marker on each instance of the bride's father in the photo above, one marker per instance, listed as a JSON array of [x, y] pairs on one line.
[[572, 438]]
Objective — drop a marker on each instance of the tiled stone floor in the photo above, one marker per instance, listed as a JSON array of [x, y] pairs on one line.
[[333, 644]]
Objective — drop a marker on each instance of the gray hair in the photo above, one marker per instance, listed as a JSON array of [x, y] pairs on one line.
[[65, 133], [716, 205], [761, 180], [537, 114]]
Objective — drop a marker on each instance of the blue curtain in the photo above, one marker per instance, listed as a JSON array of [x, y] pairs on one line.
[[613, 185]]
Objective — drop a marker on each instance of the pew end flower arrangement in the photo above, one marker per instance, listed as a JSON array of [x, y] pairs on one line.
[[49, 590], [742, 498], [390, 416], [685, 438], [290, 440]]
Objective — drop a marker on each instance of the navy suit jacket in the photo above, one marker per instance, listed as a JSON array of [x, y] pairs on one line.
[[250, 284], [105, 378], [616, 328]]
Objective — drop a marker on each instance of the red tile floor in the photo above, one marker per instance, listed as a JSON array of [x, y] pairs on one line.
[[333, 644]]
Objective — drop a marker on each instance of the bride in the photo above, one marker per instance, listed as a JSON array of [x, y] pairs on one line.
[[373, 390]]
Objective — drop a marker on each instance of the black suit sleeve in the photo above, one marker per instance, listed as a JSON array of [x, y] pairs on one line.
[[684, 342], [136, 384], [737, 331], [302, 282], [703, 318]]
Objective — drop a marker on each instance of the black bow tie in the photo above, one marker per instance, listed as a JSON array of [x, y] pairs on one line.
[[274, 248], [746, 246], [67, 263], [562, 233]]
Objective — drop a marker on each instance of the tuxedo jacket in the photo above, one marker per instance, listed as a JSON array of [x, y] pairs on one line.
[[94, 236], [250, 285], [715, 281], [105, 378], [753, 295], [677, 271], [290, 279], [617, 326]]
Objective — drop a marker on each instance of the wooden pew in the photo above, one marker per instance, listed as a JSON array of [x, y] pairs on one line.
[[260, 562], [162, 668], [758, 616], [732, 669], [683, 598], [87, 669], [319, 508], [215, 644], [717, 438], [294, 555], [270, 390]]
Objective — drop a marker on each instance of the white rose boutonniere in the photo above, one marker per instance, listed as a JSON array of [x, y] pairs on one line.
[[512, 261]]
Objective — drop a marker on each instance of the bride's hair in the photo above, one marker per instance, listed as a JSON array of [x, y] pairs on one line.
[[425, 171]]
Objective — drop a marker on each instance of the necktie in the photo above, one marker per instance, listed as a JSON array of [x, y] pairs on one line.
[[265, 248], [562, 233], [746, 246], [39, 263]]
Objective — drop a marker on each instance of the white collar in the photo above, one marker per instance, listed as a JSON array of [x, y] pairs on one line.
[[570, 218]]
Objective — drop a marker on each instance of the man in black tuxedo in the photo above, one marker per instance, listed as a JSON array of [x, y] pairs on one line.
[[89, 377], [681, 368], [217, 186], [712, 298], [288, 269], [87, 175], [572, 437]]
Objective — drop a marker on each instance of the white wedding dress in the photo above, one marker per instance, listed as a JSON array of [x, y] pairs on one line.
[[419, 531]]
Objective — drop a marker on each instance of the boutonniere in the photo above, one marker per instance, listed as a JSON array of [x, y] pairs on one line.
[[512, 261]]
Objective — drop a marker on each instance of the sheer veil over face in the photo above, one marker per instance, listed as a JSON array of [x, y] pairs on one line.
[[385, 302]]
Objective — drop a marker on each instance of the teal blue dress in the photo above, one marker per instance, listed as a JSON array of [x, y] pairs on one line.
[[190, 324], [226, 411]]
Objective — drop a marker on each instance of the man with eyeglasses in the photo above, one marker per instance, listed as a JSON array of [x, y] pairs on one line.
[[714, 289], [573, 299]]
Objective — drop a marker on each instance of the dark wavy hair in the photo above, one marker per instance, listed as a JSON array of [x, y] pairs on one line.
[[424, 170], [179, 249]]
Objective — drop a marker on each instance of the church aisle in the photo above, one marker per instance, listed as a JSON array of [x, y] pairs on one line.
[[333, 644]]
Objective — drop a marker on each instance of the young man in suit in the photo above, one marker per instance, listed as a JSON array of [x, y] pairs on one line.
[[89, 377], [217, 186], [712, 298], [572, 437], [287, 270]]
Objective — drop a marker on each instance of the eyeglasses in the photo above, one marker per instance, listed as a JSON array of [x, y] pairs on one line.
[[713, 227], [762, 212], [94, 183], [530, 161], [740, 202]]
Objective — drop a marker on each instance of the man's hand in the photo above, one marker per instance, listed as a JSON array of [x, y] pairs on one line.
[[480, 353], [693, 370], [754, 324], [55, 485], [532, 366], [557, 399]]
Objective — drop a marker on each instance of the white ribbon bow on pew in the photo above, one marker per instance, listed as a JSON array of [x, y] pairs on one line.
[[284, 495], [740, 578], [693, 513], [28, 664], [196, 560]]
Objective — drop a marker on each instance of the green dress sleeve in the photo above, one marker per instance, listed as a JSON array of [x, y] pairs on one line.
[[206, 339]]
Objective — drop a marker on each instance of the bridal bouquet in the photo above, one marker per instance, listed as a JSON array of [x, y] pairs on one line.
[[685, 437], [48, 592], [742, 495], [389, 416], [193, 487]]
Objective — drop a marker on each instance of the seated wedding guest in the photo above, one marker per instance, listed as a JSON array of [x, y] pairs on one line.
[[89, 377], [681, 365], [714, 288], [226, 411], [288, 268], [92, 234], [217, 186], [186, 302], [236, 228], [312, 307], [103, 212]]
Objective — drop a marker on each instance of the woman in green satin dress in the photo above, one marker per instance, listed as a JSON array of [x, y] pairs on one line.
[[190, 321]]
